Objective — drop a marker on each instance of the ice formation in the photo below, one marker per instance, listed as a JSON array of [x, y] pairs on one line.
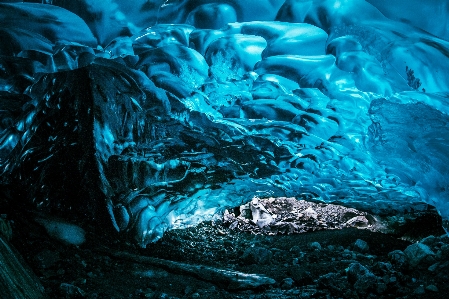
[[175, 110]]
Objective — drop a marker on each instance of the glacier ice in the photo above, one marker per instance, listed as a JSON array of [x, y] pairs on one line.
[[172, 111]]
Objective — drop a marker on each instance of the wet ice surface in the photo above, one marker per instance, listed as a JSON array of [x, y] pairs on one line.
[[167, 126]]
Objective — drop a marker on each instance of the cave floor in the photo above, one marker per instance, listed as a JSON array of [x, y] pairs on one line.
[[299, 267]]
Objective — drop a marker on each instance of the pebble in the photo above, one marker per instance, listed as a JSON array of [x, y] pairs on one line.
[[287, 283], [432, 288], [315, 246], [361, 246], [397, 258], [360, 277], [433, 267], [420, 290], [257, 255]]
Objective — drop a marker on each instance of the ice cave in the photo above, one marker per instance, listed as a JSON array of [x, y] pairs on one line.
[[137, 118]]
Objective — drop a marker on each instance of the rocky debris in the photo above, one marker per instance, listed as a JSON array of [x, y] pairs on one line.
[[213, 261], [398, 259], [257, 255], [419, 290], [361, 246], [315, 246], [419, 255], [287, 283], [443, 252], [284, 215], [360, 278], [420, 221], [331, 281]]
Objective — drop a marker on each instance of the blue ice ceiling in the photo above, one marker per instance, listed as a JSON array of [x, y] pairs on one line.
[[159, 114]]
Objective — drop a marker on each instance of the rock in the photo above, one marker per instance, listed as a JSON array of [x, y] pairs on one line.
[[385, 268], [432, 288], [434, 267], [261, 217], [296, 250], [257, 255], [443, 253], [398, 259], [287, 283], [330, 281], [358, 221], [315, 246], [429, 241], [310, 213], [360, 278], [419, 255], [300, 275], [361, 246], [419, 290]]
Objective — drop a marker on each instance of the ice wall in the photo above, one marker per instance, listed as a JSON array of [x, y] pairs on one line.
[[166, 126]]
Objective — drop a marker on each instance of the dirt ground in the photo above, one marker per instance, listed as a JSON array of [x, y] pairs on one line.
[[307, 265]]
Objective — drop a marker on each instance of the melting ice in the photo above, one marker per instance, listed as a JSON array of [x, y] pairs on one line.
[[147, 125]]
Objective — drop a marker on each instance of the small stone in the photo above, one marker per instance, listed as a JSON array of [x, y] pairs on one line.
[[329, 281], [397, 258], [360, 277], [420, 290], [385, 267], [310, 213], [195, 295], [315, 246], [361, 246], [300, 275], [295, 250], [419, 255], [257, 255], [432, 288], [434, 267], [443, 253], [287, 283]]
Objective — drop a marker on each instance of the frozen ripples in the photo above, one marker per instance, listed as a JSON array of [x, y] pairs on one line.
[[185, 121]]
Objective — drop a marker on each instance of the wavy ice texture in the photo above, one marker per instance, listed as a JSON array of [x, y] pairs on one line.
[[169, 126]]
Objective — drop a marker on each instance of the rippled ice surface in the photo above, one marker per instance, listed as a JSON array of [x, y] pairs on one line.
[[165, 126]]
